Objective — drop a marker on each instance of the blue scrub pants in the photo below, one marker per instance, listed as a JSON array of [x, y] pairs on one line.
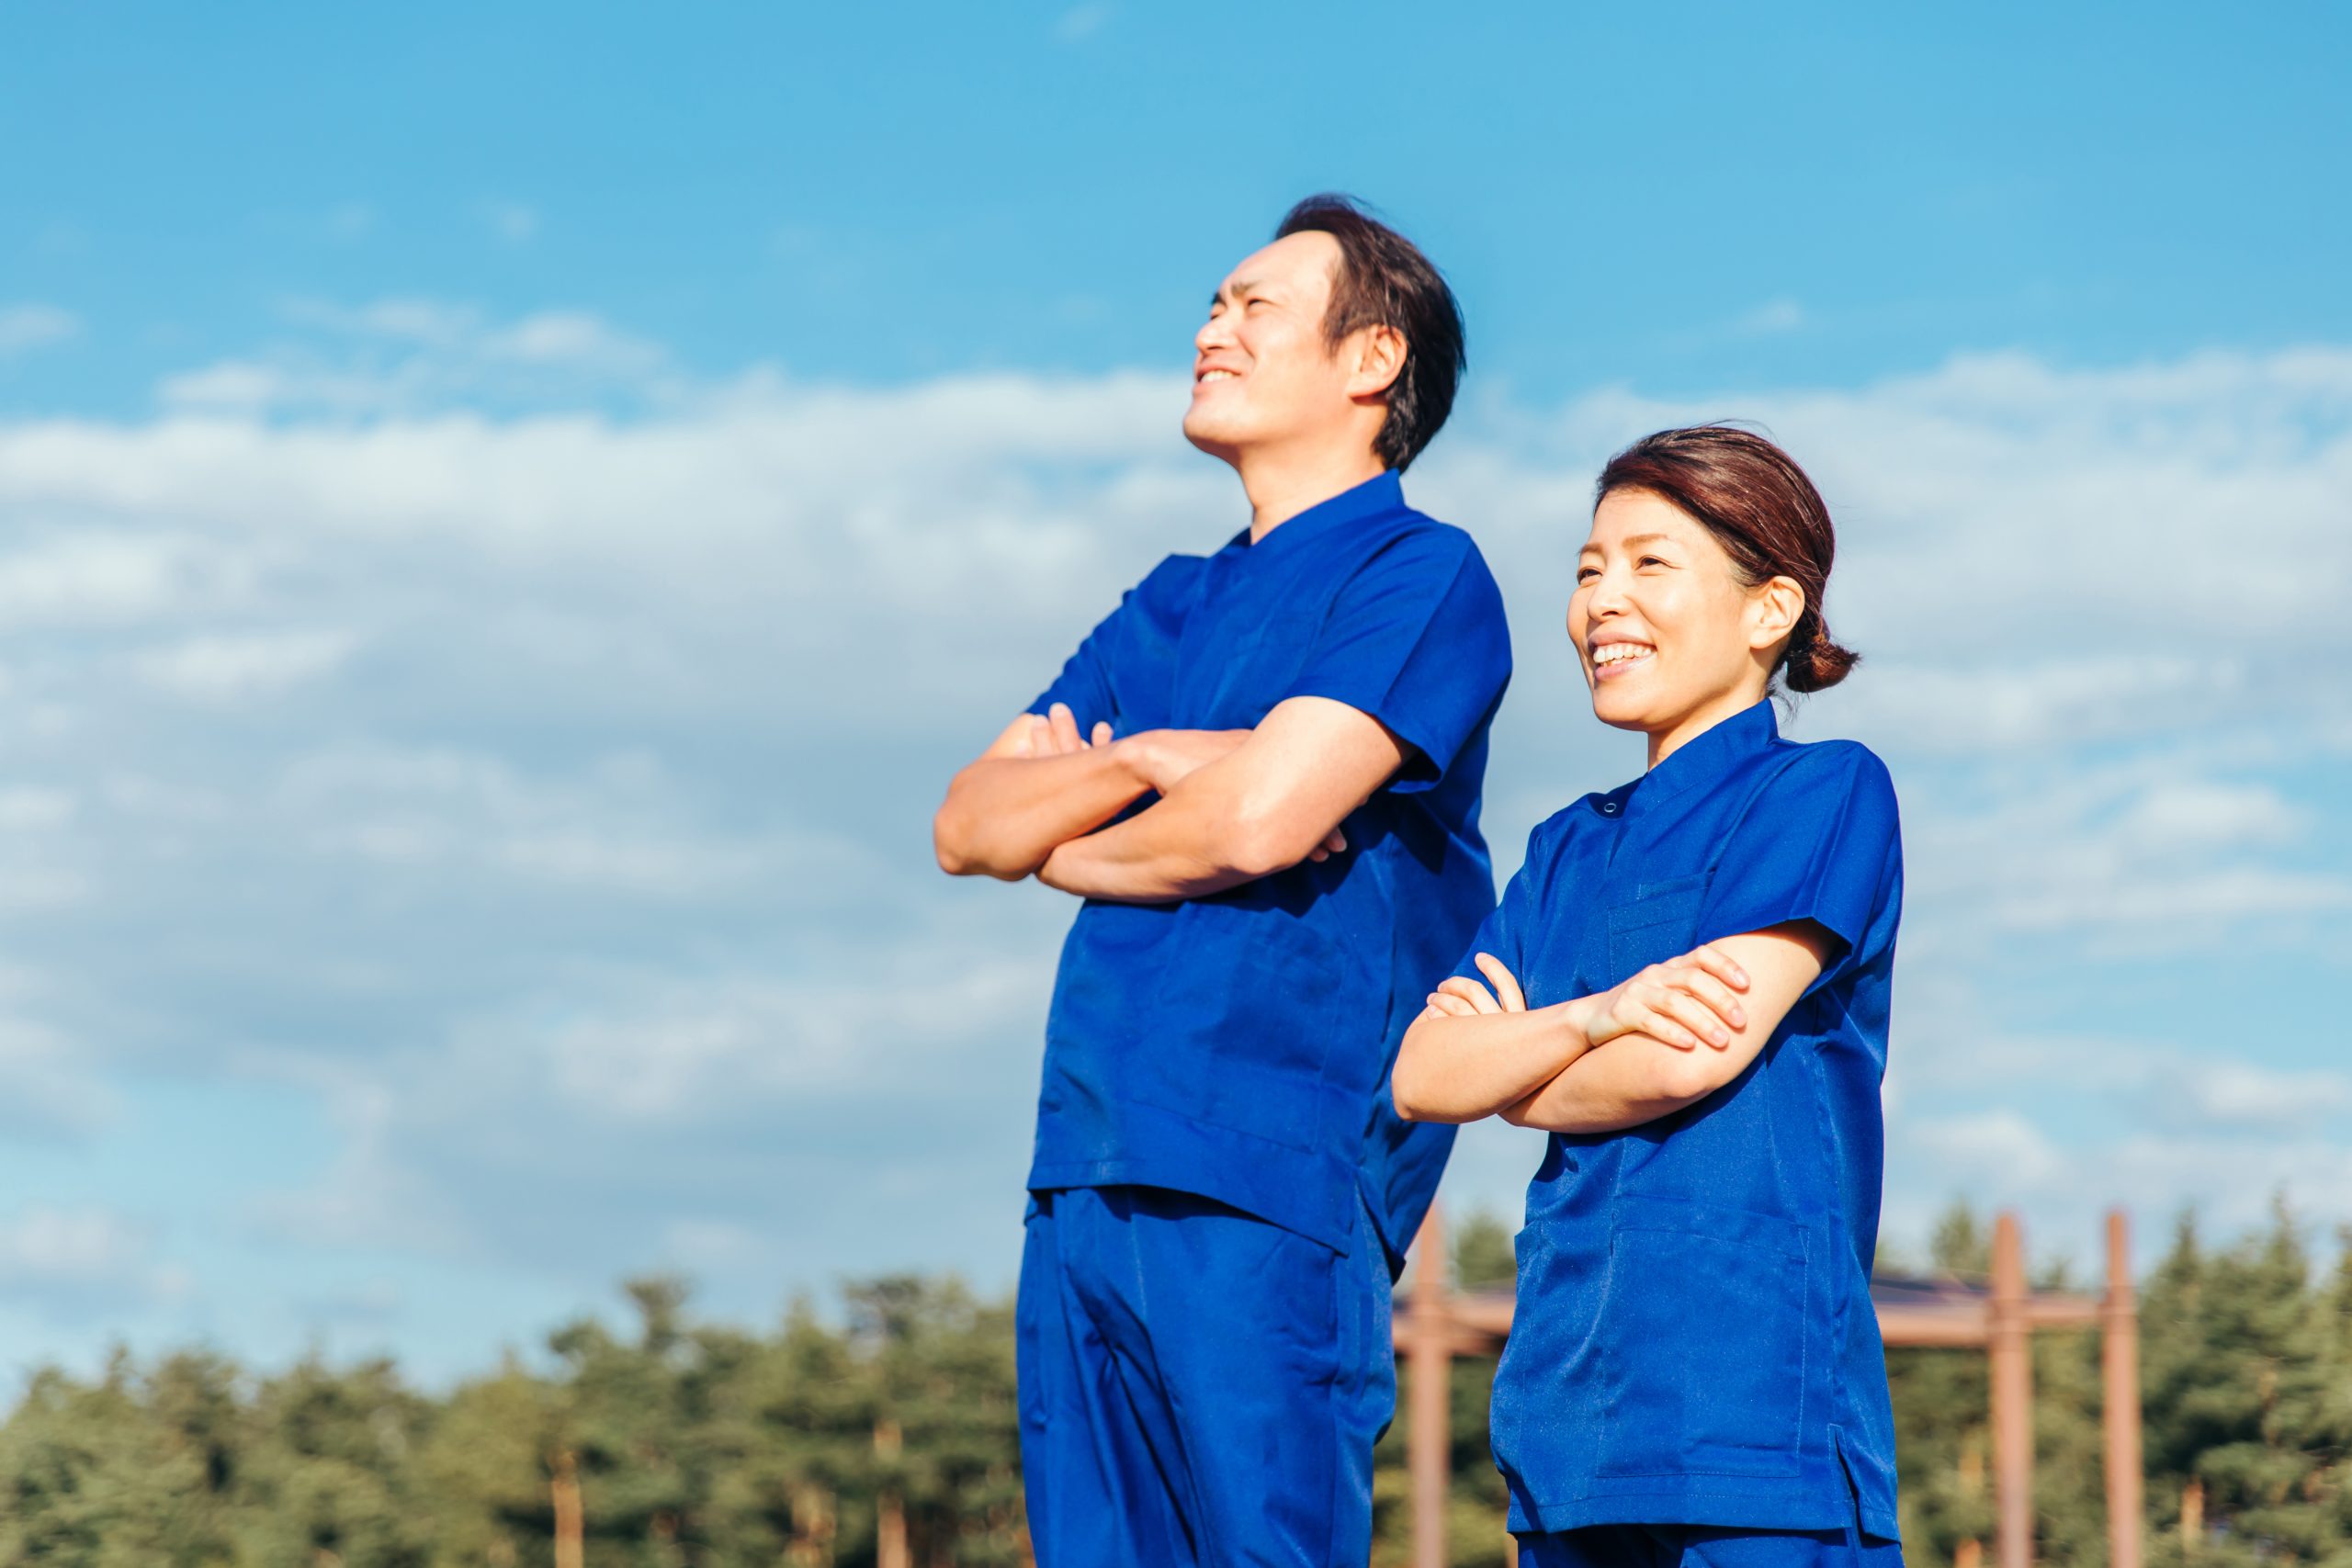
[[1198, 1387], [1705, 1546]]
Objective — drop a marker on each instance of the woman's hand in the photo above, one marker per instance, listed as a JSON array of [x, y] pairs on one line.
[[1683, 1002], [1460, 997]]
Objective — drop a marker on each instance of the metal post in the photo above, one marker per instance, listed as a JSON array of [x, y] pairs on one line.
[[2012, 1398], [1427, 1434], [2119, 1373]]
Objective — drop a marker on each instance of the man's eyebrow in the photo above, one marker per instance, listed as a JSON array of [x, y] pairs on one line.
[[1244, 285]]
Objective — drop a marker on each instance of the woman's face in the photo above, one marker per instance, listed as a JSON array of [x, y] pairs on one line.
[[1664, 631]]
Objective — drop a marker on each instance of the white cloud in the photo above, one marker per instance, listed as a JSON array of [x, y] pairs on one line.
[[605, 868], [2243, 1095], [71, 1260], [24, 327], [402, 355], [1772, 318], [515, 222], [234, 667], [350, 222], [1082, 21]]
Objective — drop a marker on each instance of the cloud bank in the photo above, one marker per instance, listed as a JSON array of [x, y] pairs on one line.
[[509, 758]]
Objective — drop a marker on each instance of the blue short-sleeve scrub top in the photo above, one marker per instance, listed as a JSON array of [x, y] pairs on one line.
[[1694, 1341], [1238, 1046]]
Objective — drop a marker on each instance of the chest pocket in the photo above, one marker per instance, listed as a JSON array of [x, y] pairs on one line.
[[1661, 921]]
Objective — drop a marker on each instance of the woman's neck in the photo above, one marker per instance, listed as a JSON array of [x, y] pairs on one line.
[[1666, 741]]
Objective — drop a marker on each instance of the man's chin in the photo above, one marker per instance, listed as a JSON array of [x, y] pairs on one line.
[[1211, 438]]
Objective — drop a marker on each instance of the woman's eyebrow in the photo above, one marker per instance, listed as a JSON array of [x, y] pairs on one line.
[[1593, 547]]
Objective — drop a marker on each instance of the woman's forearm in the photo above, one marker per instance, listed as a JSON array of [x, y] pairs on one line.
[[1461, 1070], [1623, 1083]]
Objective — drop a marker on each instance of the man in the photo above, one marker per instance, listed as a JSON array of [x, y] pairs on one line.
[[1261, 773]]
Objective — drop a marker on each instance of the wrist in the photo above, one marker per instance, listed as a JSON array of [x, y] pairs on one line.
[[1577, 1017], [1137, 757]]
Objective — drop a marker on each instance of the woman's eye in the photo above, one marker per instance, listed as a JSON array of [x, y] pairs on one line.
[[1587, 573], [1652, 560]]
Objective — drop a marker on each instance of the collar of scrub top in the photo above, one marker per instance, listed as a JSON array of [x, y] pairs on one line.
[[1703, 759], [1383, 492]]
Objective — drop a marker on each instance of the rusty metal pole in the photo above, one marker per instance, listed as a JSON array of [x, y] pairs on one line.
[[1430, 1415], [2119, 1373], [2011, 1353], [563, 1490]]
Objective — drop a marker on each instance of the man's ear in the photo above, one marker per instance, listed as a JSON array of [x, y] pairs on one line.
[[1774, 611], [1380, 359]]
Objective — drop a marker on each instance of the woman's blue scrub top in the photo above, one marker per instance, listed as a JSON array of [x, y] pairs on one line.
[[1694, 1341], [1238, 1046]]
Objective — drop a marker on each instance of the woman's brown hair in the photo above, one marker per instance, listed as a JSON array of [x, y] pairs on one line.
[[1764, 512]]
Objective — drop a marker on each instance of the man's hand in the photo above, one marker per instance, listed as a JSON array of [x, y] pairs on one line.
[[1039, 785], [1055, 733], [1683, 1002], [1164, 757], [1270, 803]]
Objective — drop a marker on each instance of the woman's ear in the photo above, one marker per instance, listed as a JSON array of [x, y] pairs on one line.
[[1774, 608], [1380, 358]]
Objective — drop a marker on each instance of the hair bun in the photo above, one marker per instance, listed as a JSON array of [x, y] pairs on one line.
[[1817, 662]]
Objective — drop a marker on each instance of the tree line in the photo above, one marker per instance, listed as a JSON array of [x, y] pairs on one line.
[[885, 1433]]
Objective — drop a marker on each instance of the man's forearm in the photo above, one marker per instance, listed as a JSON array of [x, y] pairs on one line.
[[1180, 848], [1004, 816], [1266, 805]]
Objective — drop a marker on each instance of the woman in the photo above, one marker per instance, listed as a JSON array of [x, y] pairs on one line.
[[1686, 985]]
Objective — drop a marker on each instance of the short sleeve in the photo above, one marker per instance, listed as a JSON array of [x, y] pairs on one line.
[[1085, 681], [1417, 639], [1821, 842], [1505, 932]]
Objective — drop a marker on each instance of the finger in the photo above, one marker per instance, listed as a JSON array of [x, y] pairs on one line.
[[1318, 854], [1695, 1016], [1103, 732], [1660, 1024], [1336, 843], [1039, 737], [1716, 996], [1505, 984], [1451, 1006], [1470, 991], [1065, 725], [1719, 963]]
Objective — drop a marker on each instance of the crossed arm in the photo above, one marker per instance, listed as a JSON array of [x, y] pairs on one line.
[[1667, 1038], [1234, 805]]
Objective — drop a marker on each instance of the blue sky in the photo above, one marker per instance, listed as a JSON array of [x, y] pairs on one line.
[[507, 518]]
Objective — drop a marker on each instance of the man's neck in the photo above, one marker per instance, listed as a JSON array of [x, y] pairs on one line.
[[1281, 486]]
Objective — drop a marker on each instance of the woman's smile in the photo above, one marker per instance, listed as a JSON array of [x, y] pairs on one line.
[[1620, 657]]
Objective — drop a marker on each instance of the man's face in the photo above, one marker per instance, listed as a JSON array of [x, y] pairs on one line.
[[1262, 372]]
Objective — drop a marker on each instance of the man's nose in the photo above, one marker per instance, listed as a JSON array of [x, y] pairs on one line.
[[1213, 334]]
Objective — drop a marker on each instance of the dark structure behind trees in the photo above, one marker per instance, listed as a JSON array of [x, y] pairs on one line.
[[885, 1432]]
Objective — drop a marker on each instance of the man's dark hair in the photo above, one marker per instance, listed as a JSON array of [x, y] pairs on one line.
[[1383, 280]]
